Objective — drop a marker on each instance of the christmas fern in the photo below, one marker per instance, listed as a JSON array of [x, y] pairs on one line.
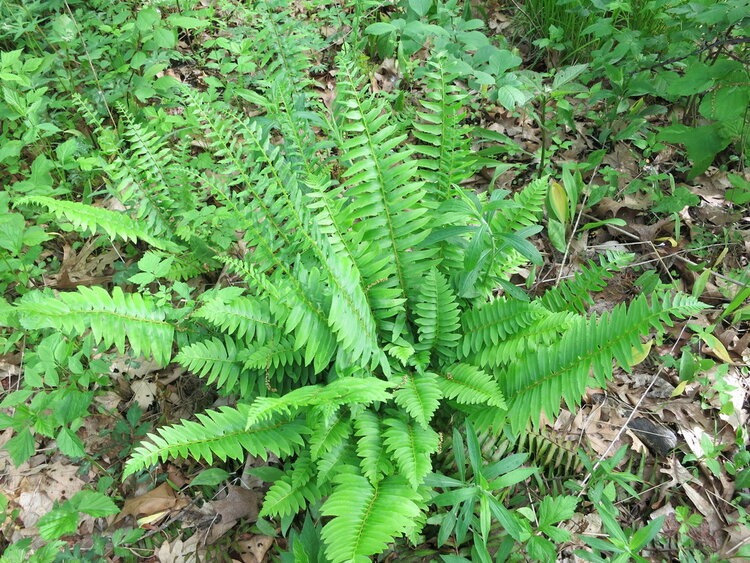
[[357, 311]]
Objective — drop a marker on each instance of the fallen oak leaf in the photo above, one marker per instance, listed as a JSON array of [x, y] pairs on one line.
[[239, 503], [157, 501]]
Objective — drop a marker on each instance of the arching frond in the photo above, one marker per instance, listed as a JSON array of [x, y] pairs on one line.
[[111, 318]]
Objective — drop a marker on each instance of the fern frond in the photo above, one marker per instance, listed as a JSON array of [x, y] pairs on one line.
[[367, 516], [237, 314], [437, 315], [342, 454], [284, 499], [288, 228], [411, 447], [326, 436], [271, 355], [531, 339], [88, 217], [218, 434], [381, 193], [371, 450], [296, 311], [143, 184], [574, 294], [470, 385], [528, 207], [565, 370], [419, 396], [213, 359], [342, 391], [491, 323], [292, 492], [111, 318], [449, 159]]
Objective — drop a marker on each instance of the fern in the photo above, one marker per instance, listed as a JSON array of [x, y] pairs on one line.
[[380, 188], [213, 359], [219, 434], [367, 314], [88, 217], [449, 159], [419, 396], [239, 315], [574, 295], [589, 344], [437, 315], [470, 385], [374, 458], [411, 447], [367, 516], [111, 318]]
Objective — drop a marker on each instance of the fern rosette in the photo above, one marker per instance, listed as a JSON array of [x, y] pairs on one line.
[[367, 321]]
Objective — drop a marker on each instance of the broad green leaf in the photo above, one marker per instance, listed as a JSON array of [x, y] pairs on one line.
[[59, 522], [93, 503], [212, 476]]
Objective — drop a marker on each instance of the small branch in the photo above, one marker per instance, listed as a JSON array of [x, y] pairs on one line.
[[706, 47]]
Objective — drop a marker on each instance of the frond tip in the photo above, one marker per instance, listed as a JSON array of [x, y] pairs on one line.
[[218, 434]]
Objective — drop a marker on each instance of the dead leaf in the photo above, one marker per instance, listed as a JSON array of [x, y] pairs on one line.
[[239, 503], [254, 550], [144, 393], [156, 501], [179, 551]]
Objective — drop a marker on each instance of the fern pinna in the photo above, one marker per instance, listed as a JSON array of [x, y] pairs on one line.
[[368, 319]]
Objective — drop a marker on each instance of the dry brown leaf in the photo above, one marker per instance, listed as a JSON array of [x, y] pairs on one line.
[[239, 503], [157, 500], [179, 551], [144, 393], [254, 550]]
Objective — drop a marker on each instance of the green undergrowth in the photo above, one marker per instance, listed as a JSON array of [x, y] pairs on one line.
[[324, 254]]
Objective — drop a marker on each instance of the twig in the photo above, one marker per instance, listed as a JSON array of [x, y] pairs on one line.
[[706, 47]]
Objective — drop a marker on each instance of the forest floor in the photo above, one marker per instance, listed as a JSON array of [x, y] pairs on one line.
[[674, 429]]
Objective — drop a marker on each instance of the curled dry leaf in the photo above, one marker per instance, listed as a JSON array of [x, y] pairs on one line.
[[156, 502]]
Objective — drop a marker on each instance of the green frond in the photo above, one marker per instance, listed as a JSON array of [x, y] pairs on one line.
[[529, 205], [271, 355], [374, 458], [328, 435], [294, 491], [284, 499], [583, 357], [447, 156], [531, 339], [491, 323], [88, 217], [111, 319], [141, 179], [213, 359], [345, 390], [411, 447], [218, 434], [342, 454], [470, 385], [574, 294], [419, 395], [288, 229], [367, 516], [237, 314], [295, 309], [437, 315], [382, 196]]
